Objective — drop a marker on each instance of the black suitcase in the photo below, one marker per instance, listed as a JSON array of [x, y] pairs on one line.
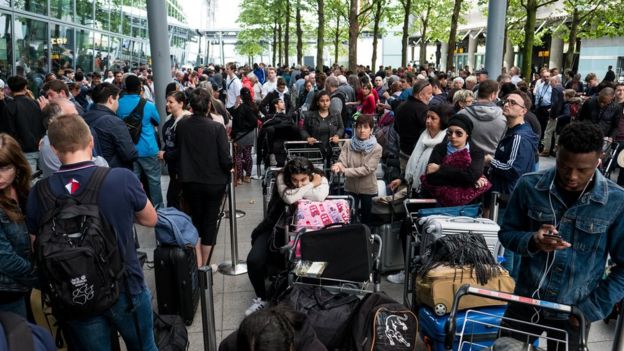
[[177, 285], [392, 256]]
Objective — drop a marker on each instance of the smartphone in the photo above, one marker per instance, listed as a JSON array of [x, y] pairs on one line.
[[552, 236]]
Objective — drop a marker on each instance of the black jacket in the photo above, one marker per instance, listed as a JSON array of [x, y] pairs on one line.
[[410, 123], [22, 119], [245, 120], [447, 175], [267, 107], [113, 138], [606, 118], [556, 101], [203, 151], [311, 124]]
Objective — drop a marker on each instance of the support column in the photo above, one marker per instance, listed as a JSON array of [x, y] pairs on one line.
[[161, 59], [472, 49], [443, 56], [495, 39], [509, 55], [556, 53]]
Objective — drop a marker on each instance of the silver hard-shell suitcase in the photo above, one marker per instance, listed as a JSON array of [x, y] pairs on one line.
[[434, 227]]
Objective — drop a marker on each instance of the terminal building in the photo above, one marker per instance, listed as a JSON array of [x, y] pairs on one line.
[[41, 36]]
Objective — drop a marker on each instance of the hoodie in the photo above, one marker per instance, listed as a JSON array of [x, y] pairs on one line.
[[515, 156], [489, 125]]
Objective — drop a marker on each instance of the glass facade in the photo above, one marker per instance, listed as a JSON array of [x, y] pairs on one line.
[[39, 36]]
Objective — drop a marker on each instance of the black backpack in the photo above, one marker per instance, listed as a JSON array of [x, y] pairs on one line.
[[134, 121], [347, 110], [170, 333], [380, 323], [76, 251]]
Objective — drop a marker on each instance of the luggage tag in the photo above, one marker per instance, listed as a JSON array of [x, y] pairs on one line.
[[310, 269]]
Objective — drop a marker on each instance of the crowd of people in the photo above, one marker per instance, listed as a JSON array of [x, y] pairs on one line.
[[451, 137]]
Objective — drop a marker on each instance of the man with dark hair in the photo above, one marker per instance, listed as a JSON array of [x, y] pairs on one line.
[[487, 118], [21, 119], [57, 89], [282, 93], [410, 119], [147, 147], [603, 111], [439, 95], [610, 76], [564, 222], [118, 80], [113, 137]]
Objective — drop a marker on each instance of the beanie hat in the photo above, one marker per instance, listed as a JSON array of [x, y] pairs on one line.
[[463, 122]]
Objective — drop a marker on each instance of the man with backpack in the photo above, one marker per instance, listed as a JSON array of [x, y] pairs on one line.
[[142, 119], [113, 137], [95, 208]]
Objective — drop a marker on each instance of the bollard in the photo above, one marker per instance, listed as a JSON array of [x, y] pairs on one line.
[[235, 266], [618, 340], [207, 308], [494, 206]]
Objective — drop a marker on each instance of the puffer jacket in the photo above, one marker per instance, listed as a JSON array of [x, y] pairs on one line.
[[360, 169], [16, 274]]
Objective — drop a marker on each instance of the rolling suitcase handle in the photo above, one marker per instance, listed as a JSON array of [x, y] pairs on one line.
[[466, 289]]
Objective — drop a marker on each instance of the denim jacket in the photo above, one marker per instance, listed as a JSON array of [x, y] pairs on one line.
[[16, 268], [594, 226]]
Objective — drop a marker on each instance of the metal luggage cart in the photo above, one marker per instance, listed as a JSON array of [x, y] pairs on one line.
[[314, 152], [463, 337], [268, 183]]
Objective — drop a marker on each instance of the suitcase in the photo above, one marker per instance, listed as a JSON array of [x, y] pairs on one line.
[[315, 215], [347, 249], [392, 256], [268, 183], [177, 285], [431, 327], [434, 227], [437, 289]]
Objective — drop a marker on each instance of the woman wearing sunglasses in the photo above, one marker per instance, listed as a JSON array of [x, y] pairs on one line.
[[454, 175]]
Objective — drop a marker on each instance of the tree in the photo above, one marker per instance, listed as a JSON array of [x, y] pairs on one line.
[[432, 22], [453, 33], [336, 26], [287, 34], [357, 20], [406, 6], [378, 13], [256, 22], [320, 35], [531, 7], [299, 32]]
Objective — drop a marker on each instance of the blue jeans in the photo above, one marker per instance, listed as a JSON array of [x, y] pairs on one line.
[[94, 333], [151, 167], [512, 260]]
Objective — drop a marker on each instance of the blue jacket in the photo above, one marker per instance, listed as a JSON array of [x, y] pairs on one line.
[[594, 226], [16, 269], [514, 156], [113, 138], [259, 72], [147, 145]]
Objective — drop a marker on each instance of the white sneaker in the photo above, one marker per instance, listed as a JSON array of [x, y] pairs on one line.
[[272, 160], [398, 278], [256, 305]]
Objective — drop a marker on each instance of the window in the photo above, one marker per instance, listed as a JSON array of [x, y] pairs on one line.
[[102, 14], [62, 43], [84, 12], [36, 6], [115, 16], [102, 47], [6, 61], [84, 50], [62, 9], [31, 44]]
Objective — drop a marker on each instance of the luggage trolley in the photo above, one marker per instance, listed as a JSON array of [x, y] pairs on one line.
[[268, 183], [466, 336], [608, 158], [314, 152]]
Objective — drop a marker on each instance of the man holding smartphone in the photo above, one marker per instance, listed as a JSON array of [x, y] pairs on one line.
[[564, 222]]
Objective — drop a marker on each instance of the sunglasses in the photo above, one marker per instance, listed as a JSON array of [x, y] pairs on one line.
[[458, 133], [512, 103]]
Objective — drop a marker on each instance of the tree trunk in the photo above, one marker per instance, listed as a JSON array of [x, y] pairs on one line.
[[299, 34], [452, 41], [279, 40], [529, 36], [422, 55], [320, 35], [274, 42], [353, 34], [377, 19], [287, 34], [569, 59], [407, 7], [337, 39]]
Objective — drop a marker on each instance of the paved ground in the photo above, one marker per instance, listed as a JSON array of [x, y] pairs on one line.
[[233, 294]]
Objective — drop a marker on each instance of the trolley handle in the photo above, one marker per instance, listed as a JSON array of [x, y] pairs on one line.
[[451, 324], [300, 142]]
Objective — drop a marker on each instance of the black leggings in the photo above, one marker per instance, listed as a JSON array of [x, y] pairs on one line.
[[259, 259], [204, 202]]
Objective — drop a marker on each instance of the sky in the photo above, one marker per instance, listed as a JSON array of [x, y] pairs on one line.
[[223, 16]]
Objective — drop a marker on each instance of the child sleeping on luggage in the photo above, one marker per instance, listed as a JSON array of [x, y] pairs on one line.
[[297, 180]]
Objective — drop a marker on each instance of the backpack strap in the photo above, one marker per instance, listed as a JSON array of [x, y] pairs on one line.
[[90, 194], [46, 198], [17, 332]]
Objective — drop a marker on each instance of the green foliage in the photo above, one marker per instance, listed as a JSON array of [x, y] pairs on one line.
[[437, 15]]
